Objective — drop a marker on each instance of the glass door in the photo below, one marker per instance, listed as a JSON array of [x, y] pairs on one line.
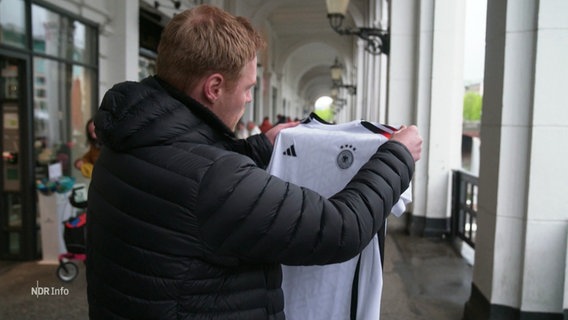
[[16, 228]]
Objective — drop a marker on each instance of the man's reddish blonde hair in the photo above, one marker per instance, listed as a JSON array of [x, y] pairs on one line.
[[205, 40]]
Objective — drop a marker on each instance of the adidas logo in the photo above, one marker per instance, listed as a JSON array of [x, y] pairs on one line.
[[291, 151]]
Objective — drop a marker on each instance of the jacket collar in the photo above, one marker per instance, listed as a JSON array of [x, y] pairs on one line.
[[197, 108]]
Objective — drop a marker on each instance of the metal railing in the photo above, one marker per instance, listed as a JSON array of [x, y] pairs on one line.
[[464, 206]]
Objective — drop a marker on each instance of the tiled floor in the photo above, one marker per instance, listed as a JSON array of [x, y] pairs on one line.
[[424, 279]]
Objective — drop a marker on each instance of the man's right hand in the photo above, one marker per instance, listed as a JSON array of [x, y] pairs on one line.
[[274, 131], [410, 137]]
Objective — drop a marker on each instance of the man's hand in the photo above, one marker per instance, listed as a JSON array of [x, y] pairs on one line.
[[410, 137], [274, 131]]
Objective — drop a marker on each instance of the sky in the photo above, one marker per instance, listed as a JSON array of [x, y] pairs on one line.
[[474, 49]]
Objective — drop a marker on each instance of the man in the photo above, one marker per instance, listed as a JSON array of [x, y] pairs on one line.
[[184, 222], [265, 125], [241, 130], [252, 128]]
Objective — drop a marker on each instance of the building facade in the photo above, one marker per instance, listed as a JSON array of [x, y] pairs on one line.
[[58, 57]]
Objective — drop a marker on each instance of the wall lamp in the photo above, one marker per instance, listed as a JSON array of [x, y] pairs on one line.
[[338, 105], [378, 40], [335, 96], [339, 102], [336, 72]]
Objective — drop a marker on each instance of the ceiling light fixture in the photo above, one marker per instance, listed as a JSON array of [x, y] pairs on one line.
[[378, 40]]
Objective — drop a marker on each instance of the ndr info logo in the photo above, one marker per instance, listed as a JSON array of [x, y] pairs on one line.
[[49, 291]]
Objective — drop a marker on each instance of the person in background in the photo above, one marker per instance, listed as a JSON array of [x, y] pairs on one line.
[[252, 128], [87, 161], [265, 125], [184, 220], [241, 131], [280, 119]]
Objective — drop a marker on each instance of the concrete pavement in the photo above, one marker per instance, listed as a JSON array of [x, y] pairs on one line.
[[20, 299], [424, 279]]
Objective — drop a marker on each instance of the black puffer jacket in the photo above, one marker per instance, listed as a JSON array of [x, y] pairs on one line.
[[185, 224]]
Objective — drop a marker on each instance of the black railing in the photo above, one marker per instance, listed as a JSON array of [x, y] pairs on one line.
[[464, 206]]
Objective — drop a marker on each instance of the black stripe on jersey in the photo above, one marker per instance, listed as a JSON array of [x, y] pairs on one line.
[[315, 117], [374, 129], [291, 151]]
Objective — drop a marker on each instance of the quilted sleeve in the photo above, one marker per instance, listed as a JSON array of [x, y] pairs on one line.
[[257, 147], [246, 213]]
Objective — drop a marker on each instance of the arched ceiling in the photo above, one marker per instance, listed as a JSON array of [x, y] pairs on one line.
[[306, 46]]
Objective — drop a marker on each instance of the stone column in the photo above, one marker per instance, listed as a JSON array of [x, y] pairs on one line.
[[426, 88], [523, 208], [119, 43], [446, 105]]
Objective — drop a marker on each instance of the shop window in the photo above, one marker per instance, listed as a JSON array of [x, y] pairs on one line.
[[13, 23], [61, 113], [59, 51], [64, 79], [40, 93], [146, 64], [59, 36], [39, 81], [151, 25]]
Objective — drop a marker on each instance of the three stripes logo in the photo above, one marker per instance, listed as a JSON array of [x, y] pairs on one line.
[[291, 151]]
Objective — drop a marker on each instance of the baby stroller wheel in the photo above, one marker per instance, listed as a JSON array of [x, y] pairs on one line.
[[67, 271]]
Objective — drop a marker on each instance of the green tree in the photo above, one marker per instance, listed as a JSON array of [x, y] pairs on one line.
[[472, 104], [326, 114]]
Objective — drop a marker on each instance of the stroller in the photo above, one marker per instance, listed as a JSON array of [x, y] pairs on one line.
[[74, 236]]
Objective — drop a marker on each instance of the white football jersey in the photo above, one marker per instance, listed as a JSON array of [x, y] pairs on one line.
[[324, 157]]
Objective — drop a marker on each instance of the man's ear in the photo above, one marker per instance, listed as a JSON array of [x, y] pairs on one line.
[[213, 87]]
